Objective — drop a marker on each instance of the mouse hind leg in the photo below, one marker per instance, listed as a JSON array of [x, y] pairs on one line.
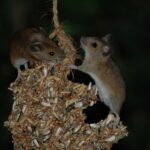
[[113, 117]]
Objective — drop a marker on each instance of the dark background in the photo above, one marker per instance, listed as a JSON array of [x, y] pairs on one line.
[[129, 23]]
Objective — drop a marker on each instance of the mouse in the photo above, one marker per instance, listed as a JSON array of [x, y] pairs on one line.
[[31, 45], [99, 65]]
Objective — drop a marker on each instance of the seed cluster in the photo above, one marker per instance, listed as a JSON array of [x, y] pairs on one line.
[[47, 113]]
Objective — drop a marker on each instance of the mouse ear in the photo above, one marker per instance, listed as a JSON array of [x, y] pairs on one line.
[[106, 50], [106, 38], [35, 47]]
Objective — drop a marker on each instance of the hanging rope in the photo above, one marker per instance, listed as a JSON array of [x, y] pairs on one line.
[[64, 40]]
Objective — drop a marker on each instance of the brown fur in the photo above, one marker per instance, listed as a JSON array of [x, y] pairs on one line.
[[23, 40], [104, 69]]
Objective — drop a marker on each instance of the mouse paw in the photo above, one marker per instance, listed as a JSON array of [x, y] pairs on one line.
[[112, 121]]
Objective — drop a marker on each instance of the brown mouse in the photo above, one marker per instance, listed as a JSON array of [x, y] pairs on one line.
[[99, 65], [31, 45]]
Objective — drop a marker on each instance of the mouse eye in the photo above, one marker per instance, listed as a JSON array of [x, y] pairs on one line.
[[52, 53], [36, 47], [94, 44]]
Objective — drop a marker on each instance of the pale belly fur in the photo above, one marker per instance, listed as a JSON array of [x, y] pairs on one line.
[[102, 90]]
